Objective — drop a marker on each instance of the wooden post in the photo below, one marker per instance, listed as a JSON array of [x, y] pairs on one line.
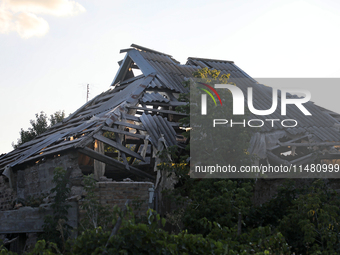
[[99, 167]]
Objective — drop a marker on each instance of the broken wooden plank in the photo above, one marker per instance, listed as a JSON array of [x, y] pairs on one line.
[[113, 162], [127, 124], [130, 117], [157, 110], [116, 130], [330, 156], [304, 159], [136, 150], [132, 141], [171, 103], [101, 157], [291, 141], [310, 144], [117, 146]]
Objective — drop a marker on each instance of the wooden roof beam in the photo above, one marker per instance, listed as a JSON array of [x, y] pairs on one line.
[[112, 162], [118, 146]]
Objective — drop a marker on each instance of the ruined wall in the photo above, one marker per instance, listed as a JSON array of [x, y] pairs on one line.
[[116, 193], [31, 219], [37, 179], [7, 195]]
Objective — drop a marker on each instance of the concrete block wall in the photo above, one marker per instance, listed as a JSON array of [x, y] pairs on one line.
[[116, 193], [7, 195], [37, 179]]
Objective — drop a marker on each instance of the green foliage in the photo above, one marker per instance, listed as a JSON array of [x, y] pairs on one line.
[[219, 209], [44, 248], [97, 215], [264, 239], [55, 226], [39, 126], [148, 238], [214, 200], [206, 139], [3, 250], [308, 216], [271, 212], [90, 241], [255, 241], [144, 239], [217, 201], [311, 224], [211, 75], [56, 117]]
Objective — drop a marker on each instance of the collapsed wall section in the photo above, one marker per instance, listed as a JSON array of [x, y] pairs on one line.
[[31, 185]]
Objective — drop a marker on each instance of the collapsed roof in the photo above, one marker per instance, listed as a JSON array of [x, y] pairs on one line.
[[140, 110]]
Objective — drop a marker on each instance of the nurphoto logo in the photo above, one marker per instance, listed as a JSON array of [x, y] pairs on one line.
[[239, 102]]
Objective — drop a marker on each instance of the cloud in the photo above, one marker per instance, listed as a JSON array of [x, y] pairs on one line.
[[28, 25], [50, 7], [21, 15]]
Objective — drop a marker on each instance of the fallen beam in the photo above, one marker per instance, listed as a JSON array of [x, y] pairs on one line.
[[157, 110], [310, 144], [116, 130], [110, 161], [118, 146]]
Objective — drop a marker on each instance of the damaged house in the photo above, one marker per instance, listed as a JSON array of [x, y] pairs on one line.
[[138, 114]]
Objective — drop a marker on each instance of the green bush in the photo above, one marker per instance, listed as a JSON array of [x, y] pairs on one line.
[[56, 228], [311, 224], [148, 238]]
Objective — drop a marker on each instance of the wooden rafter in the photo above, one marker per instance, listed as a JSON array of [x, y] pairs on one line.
[[110, 161], [118, 146]]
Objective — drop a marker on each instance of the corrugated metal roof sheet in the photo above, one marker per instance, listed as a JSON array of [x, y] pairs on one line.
[[154, 97], [155, 126], [91, 114]]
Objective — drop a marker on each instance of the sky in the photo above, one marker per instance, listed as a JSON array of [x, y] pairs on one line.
[[50, 50]]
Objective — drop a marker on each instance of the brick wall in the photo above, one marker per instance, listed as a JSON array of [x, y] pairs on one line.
[[116, 193], [7, 195]]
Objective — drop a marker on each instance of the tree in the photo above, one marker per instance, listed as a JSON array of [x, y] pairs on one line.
[[56, 117], [39, 126], [221, 145], [209, 198]]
